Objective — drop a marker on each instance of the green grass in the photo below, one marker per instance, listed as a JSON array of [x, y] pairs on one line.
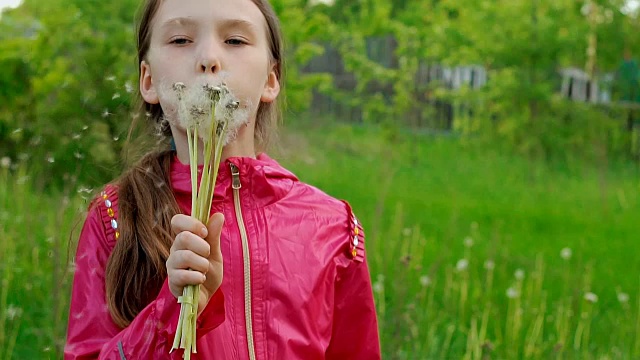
[[419, 197]]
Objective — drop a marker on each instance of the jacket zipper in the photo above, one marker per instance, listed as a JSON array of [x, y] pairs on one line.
[[236, 185]]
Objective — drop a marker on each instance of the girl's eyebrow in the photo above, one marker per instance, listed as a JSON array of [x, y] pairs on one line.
[[178, 21], [192, 23]]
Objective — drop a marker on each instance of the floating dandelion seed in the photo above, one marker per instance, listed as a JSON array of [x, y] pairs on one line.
[[519, 274], [468, 242], [106, 113], [17, 131], [110, 78], [462, 265], [512, 293], [566, 253], [115, 96], [591, 297], [85, 127], [78, 155], [51, 159], [128, 87], [76, 136]]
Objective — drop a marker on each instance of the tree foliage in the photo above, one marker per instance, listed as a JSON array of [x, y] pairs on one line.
[[69, 74]]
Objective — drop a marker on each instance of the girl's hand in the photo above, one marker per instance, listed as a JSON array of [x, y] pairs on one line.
[[195, 257]]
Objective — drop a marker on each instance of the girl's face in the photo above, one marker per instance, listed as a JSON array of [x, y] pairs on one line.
[[197, 41]]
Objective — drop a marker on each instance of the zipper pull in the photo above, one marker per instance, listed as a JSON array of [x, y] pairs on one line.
[[235, 176]]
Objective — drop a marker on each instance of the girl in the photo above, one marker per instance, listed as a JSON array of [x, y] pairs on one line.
[[295, 283]]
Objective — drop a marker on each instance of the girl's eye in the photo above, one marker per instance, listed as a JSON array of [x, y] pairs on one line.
[[235, 42], [180, 41]]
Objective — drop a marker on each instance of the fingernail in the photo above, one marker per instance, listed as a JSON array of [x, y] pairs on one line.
[[204, 231], [204, 278]]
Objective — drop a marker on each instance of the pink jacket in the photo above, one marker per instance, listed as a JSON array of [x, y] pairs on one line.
[[309, 285]]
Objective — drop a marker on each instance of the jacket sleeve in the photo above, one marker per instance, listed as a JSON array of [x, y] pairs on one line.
[[91, 333], [355, 326]]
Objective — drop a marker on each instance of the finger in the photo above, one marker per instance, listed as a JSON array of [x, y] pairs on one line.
[[189, 241], [182, 278], [215, 229], [182, 222], [185, 259]]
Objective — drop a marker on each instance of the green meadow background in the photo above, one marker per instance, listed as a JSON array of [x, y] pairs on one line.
[[511, 234]]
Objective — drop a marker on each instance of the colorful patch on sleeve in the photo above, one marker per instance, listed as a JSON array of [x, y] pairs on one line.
[[108, 204], [356, 236]]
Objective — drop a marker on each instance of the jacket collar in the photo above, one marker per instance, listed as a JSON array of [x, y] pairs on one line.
[[266, 180]]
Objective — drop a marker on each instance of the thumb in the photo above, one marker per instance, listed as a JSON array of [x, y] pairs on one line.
[[214, 228]]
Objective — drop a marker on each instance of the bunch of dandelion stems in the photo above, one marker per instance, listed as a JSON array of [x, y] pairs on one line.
[[201, 200]]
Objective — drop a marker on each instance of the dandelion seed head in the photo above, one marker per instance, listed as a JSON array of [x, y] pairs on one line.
[[623, 297], [513, 293], [489, 265], [5, 162], [468, 242], [519, 274], [462, 265], [406, 231], [591, 297], [128, 87], [378, 287], [13, 312], [425, 280], [566, 253]]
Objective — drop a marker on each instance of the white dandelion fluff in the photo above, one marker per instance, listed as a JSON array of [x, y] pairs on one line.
[[468, 242], [462, 265], [591, 297], [489, 265], [425, 280]]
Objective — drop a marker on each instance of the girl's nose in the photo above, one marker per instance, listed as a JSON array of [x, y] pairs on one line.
[[209, 62], [209, 66]]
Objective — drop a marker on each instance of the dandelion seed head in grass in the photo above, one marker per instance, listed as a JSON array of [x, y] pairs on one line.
[[425, 280], [513, 293], [468, 242], [462, 265], [489, 265], [519, 274], [591, 297], [566, 253], [5, 162], [378, 287], [13, 312], [623, 298]]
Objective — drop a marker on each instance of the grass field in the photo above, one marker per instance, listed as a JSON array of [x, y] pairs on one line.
[[473, 253]]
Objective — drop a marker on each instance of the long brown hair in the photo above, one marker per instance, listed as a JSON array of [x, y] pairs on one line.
[[136, 268]]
